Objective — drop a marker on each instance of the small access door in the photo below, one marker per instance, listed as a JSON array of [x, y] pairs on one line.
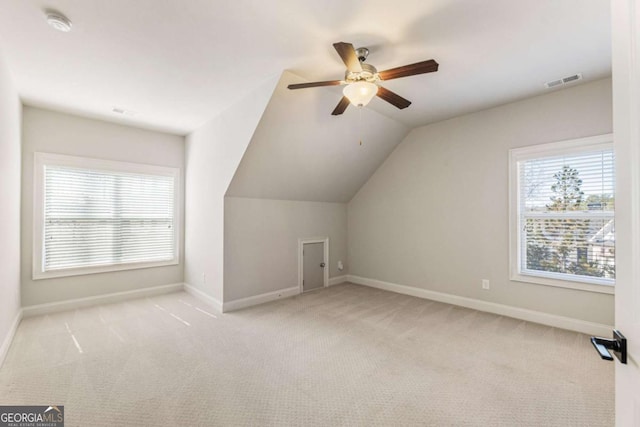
[[313, 266]]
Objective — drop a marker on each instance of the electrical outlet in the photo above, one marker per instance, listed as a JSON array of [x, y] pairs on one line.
[[485, 283]]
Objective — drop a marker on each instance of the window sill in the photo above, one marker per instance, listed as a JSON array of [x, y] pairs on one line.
[[568, 284], [39, 275]]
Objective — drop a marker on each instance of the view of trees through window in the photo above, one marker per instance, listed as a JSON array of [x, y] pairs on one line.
[[567, 215]]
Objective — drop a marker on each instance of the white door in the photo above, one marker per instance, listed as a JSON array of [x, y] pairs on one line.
[[312, 266], [626, 130]]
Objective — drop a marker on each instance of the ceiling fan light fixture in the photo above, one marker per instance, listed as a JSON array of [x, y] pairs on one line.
[[361, 79], [360, 93]]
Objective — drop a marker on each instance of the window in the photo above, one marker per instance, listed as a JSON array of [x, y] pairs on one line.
[[562, 214], [94, 216]]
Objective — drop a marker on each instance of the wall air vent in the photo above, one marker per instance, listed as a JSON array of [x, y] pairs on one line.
[[124, 112], [563, 81], [554, 83], [572, 78]]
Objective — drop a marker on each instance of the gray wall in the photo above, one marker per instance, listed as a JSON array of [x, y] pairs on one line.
[[51, 132], [261, 242], [213, 153], [435, 215], [10, 111]]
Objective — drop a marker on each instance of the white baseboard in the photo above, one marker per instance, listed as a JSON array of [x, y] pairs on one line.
[[337, 280], [8, 339], [53, 307], [209, 300], [589, 328], [260, 299]]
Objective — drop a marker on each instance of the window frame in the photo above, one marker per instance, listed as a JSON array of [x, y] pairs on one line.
[[49, 159], [517, 155]]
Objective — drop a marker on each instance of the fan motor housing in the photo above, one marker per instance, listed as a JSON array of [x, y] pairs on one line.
[[369, 73]]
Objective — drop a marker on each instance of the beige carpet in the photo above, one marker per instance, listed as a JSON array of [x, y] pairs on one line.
[[346, 355]]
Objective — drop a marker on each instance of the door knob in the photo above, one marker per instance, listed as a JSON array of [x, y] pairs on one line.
[[618, 344], [322, 264]]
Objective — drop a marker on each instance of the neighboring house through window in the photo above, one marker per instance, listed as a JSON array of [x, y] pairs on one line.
[[94, 216], [562, 214]]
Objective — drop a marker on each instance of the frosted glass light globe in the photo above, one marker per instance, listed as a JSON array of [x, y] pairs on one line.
[[360, 93]]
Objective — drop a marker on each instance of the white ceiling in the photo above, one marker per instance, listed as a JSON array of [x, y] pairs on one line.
[[178, 63], [291, 158]]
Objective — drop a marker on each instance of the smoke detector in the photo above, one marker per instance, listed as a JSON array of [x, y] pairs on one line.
[[563, 81], [58, 21]]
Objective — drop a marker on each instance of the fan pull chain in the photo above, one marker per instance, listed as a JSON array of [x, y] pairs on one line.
[[360, 124]]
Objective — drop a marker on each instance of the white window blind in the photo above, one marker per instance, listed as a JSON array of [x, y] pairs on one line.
[[96, 218], [566, 216]]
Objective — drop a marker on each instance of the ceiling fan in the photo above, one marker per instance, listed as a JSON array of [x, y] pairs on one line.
[[361, 79]]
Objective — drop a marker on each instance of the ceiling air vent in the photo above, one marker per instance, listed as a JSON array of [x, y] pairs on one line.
[[563, 81]]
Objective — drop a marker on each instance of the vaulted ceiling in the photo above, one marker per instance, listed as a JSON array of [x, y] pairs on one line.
[[175, 64], [291, 157]]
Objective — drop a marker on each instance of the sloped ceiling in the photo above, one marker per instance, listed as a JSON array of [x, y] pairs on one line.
[[299, 151], [177, 64]]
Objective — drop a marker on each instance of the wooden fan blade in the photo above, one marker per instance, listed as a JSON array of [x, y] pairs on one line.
[[409, 70], [348, 55], [342, 105], [393, 98], [315, 84]]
